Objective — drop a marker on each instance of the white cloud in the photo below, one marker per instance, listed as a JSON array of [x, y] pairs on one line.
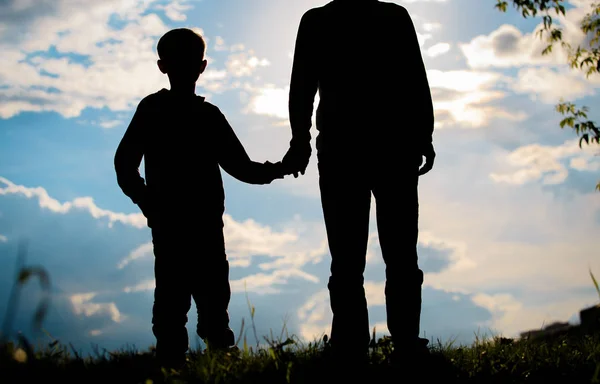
[[3, 239], [463, 80], [108, 124], [81, 203], [83, 305], [144, 250], [462, 98], [544, 77], [315, 316], [266, 283], [375, 293], [458, 259], [548, 163], [244, 63], [219, 44], [120, 65], [373, 250], [422, 38], [175, 10], [145, 285], [430, 27], [583, 164], [270, 101], [550, 85], [437, 49], [288, 250], [507, 47]]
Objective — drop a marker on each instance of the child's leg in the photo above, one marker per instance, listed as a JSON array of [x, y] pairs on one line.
[[172, 296], [211, 290]]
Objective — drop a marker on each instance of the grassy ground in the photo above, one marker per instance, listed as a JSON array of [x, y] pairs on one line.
[[495, 360], [570, 358]]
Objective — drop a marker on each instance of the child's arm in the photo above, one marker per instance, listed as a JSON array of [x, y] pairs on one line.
[[236, 162], [128, 158]]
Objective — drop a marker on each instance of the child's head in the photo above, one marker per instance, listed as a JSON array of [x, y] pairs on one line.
[[181, 55]]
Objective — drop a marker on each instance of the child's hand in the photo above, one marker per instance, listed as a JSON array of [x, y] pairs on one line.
[[276, 170]]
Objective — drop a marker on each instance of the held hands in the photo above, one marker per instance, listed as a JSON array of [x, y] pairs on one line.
[[274, 171], [296, 159]]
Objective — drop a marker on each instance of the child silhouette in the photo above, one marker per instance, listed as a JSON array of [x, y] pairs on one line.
[[184, 141]]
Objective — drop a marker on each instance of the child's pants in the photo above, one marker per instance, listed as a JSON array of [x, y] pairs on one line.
[[189, 263]]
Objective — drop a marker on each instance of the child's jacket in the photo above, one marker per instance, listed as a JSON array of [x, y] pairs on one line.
[[184, 141]]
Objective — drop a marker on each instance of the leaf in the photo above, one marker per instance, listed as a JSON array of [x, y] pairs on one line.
[[501, 5], [547, 50]]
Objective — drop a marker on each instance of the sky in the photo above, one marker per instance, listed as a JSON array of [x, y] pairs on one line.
[[508, 216]]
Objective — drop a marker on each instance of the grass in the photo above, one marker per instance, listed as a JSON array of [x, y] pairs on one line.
[[567, 358], [491, 360]]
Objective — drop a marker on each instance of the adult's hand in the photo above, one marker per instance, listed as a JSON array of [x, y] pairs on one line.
[[296, 159], [429, 154]]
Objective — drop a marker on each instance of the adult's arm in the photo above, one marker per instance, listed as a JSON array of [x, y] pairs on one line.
[[423, 100], [303, 83]]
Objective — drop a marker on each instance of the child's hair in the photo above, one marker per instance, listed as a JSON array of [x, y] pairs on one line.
[[181, 43]]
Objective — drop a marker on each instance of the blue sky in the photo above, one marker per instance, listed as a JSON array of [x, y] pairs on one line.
[[508, 215]]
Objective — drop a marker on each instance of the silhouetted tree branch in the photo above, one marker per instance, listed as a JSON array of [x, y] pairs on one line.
[[583, 57]]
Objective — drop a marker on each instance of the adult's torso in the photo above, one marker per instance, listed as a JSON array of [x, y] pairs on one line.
[[363, 76]]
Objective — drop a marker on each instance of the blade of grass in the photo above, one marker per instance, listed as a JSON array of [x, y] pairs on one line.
[[595, 283], [13, 300]]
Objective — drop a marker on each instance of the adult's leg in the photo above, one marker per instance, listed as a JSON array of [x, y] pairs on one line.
[[346, 200], [211, 289], [397, 212], [172, 296]]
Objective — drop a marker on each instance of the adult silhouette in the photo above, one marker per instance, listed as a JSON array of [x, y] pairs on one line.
[[375, 125]]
